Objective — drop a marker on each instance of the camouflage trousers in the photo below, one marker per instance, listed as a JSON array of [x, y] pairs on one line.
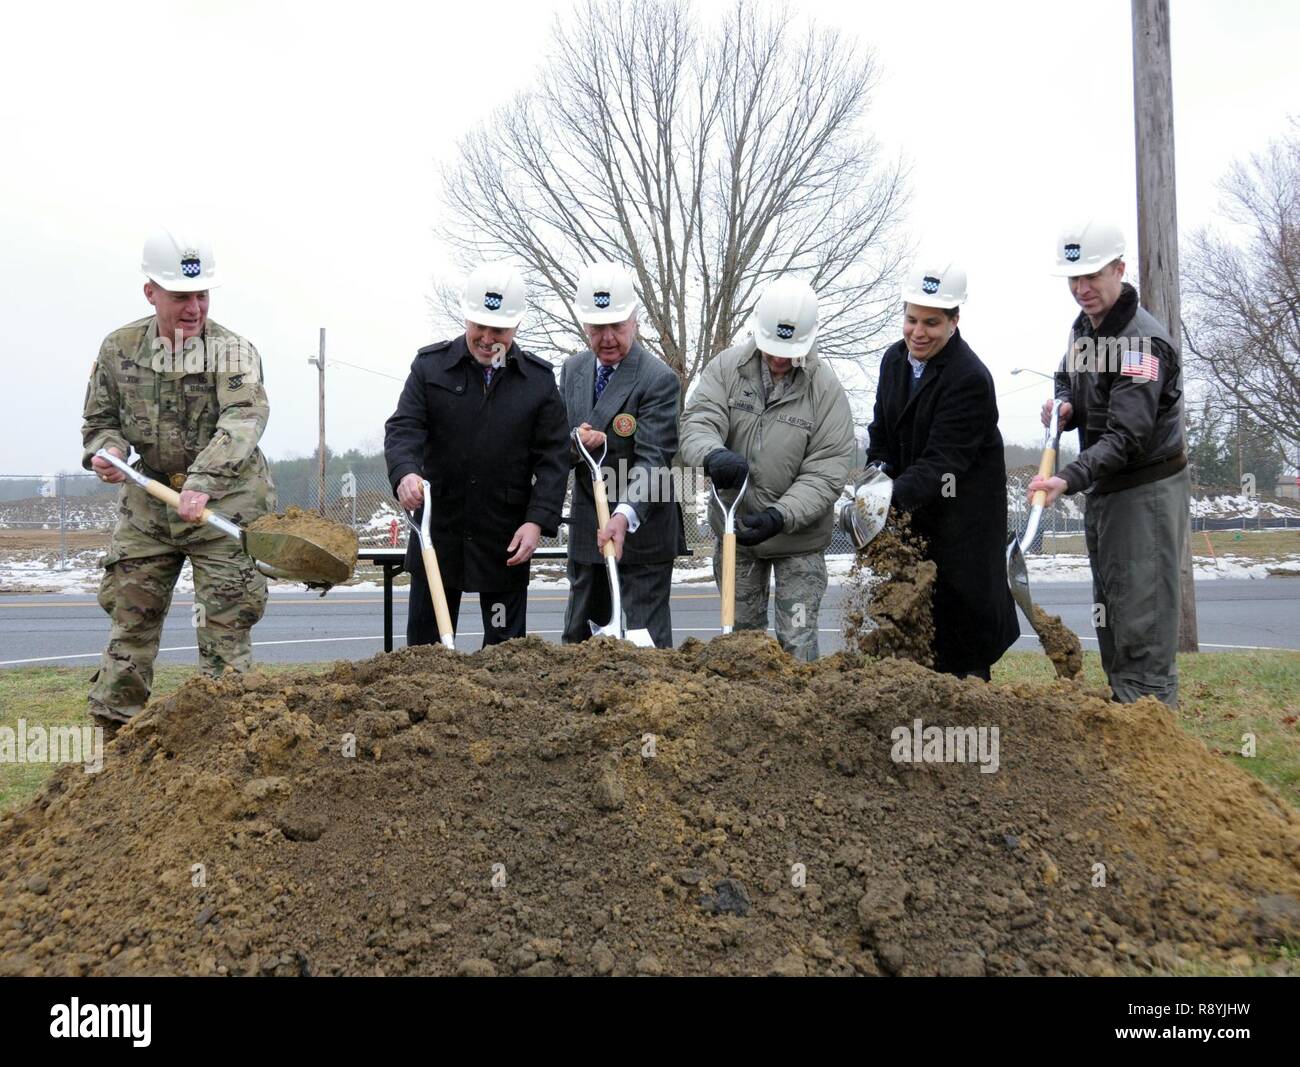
[[140, 573], [800, 586]]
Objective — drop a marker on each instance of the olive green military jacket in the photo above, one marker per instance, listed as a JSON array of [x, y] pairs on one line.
[[195, 420], [800, 448]]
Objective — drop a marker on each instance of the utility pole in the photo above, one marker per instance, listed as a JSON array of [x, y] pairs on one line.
[[320, 448], [1157, 210]]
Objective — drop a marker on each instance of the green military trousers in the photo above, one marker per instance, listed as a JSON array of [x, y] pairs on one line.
[[140, 573]]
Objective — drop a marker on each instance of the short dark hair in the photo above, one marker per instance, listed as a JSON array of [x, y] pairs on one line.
[[950, 312]]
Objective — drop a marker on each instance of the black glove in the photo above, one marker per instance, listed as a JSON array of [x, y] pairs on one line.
[[755, 529], [726, 469]]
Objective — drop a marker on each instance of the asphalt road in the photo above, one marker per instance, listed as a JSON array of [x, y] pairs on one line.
[[71, 630]]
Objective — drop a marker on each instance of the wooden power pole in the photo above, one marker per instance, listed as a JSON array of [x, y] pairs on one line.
[[1157, 211], [320, 447]]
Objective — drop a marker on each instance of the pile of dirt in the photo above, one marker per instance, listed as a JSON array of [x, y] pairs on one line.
[[1060, 643], [594, 809], [889, 595]]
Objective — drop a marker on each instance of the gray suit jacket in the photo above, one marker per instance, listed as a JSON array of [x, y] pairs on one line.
[[638, 415]]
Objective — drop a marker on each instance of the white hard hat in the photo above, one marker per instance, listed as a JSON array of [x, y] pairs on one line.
[[495, 296], [178, 263], [785, 319], [605, 294], [1087, 247], [934, 285]]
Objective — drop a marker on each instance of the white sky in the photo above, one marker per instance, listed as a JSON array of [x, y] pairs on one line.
[[306, 138]]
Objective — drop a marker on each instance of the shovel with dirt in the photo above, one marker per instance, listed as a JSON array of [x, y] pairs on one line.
[[863, 517], [1059, 642], [314, 552], [617, 626]]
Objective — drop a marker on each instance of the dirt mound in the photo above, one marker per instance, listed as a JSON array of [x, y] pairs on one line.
[[719, 808]]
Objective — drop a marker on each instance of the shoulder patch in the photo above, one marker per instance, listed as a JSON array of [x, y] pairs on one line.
[[538, 359], [440, 346]]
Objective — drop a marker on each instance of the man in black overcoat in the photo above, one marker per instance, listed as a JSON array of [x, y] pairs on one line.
[[482, 421]]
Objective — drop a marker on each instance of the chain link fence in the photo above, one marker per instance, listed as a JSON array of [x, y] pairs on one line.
[[63, 518]]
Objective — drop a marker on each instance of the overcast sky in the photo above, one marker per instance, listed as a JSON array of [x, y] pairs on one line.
[[306, 139]]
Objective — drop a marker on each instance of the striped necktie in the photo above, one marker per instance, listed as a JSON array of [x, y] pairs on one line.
[[602, 378]]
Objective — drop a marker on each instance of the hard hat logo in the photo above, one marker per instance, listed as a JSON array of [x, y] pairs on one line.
[[179, 263], [492, 301], [784, 331], [1072, 252], [605, 294], [930, 285]]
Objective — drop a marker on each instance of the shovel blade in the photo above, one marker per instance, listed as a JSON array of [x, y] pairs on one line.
[[297, 556], [1018, 579], [640, 638], [863, 517]]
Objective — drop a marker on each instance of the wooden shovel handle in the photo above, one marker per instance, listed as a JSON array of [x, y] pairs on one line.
[[728, 583], [602, 512], [436, 591], [1046, 468], [170, 497]]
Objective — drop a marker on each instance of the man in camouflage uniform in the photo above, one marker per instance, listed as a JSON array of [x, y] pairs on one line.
[[772, 411], [187, 395]]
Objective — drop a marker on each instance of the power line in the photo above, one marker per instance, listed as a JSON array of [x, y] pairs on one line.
[[1012, 392], [369, 370]]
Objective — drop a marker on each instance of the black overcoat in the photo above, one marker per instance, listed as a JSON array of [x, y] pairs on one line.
[[495, 456], [942, 447]]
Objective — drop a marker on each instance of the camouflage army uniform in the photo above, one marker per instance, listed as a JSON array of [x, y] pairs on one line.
[[196, 431]]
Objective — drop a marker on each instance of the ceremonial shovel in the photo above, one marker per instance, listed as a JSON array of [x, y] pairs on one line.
[[1017, 571], [616, 627], [277, 554], [431, 572], [727, 585]]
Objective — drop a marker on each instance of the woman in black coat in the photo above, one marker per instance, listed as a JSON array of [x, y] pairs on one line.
[[935, 429]]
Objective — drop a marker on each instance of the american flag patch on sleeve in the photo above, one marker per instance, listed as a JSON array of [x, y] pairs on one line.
[[1142, 365]]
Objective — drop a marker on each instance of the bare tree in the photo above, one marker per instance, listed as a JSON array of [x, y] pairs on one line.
[[707, 162], [1243, 332]]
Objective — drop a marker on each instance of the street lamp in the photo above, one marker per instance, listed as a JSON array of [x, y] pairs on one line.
[[1028, 370]]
